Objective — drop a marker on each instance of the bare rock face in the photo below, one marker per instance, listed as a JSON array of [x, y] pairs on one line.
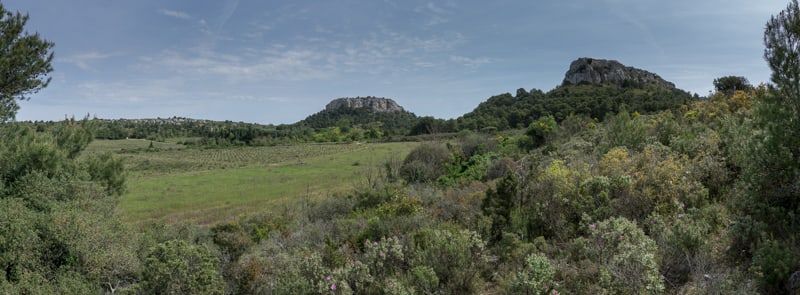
[[599, 71], [378, 104]]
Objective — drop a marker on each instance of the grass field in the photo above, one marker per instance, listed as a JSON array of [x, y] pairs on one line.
[[209, 186], [128, 144]]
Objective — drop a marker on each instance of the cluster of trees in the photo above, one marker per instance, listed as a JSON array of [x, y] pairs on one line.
[[340, 125], [508, 111], [703, 198]]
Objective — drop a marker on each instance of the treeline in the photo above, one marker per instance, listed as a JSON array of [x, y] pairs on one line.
[[508, 111]]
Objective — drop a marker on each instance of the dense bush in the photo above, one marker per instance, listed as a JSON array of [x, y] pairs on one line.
[[458, 257], [176, 267], [425, 163], [624, 257]]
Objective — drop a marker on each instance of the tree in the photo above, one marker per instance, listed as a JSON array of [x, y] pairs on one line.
[[498, 205], [782, 41], [24, 62], [768, 222], [730, 84]]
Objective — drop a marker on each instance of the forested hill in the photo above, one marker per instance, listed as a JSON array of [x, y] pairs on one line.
[[592, 87], [372, 114]]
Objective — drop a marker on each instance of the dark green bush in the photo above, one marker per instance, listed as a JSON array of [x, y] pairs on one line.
[[425, 163], [176, 267], [457, 257], [773, 262]]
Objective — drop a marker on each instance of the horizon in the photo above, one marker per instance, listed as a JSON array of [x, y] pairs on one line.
[[278, 62]]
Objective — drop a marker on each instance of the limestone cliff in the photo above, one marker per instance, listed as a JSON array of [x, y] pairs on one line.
[[599, 71], [377, 104]]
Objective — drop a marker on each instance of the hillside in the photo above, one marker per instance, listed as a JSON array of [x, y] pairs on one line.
[[591, 87], [368, 113]]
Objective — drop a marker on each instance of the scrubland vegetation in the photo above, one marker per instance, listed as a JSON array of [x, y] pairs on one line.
[[693, 196]]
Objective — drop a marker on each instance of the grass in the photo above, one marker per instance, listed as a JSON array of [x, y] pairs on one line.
[[209, 186]]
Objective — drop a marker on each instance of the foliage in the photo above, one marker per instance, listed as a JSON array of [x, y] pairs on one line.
[[176, 267], [456, 256], [498, 205], [425, 163], [371, 123], [506, 111], [766, 203], [625, 256], [540, 132], [731, 84], [782, 53], [24, 62], [773, 262], [536, 277], [625, 130]]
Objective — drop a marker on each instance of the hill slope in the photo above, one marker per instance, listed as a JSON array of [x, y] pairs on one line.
[[591, 87], [381, 114]]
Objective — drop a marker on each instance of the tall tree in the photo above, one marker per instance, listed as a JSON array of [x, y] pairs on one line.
[[766, 228], [24, 62], [782, 40]]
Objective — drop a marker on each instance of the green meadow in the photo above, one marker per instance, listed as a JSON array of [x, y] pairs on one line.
[[205, 186]]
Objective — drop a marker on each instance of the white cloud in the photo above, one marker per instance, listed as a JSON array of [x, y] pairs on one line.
[[85, 60], [174, 13], [287, 65], [253, 98], [132, 91], [434, 8], [470, 62]]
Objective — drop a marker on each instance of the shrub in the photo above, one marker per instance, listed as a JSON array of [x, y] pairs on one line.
[[624, 131], [500, 167], [540, 132], [773, 262], [456, 256], [625, 256], [536, 277], [176, 267], [680, 240], [425, 163]]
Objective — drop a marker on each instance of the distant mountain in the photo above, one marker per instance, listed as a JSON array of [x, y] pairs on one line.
[[591, 87], [366, 112]]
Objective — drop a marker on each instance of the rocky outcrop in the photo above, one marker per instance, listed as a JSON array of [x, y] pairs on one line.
[[377, 104], [599, 71]]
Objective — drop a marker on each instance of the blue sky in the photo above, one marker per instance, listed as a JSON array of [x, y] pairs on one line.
[[279, 61]]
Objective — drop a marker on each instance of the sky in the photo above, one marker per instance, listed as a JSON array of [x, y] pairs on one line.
[[278, 61]]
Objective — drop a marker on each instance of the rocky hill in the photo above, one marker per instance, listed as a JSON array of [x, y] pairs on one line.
[[378, 104], [601, 71], [591, 87], [363, 112]]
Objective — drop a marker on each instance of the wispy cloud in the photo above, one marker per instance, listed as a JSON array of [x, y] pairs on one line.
[[130, 91], [85, 60], [623, 11], [470, 62], [175, 14], [288, 65], [437, 14], [253, 98]]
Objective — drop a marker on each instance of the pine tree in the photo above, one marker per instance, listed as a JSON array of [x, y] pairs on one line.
[[24, 62]]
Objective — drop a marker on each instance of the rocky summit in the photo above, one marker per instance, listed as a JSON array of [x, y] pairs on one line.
[[378, 104], [600, 71]]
